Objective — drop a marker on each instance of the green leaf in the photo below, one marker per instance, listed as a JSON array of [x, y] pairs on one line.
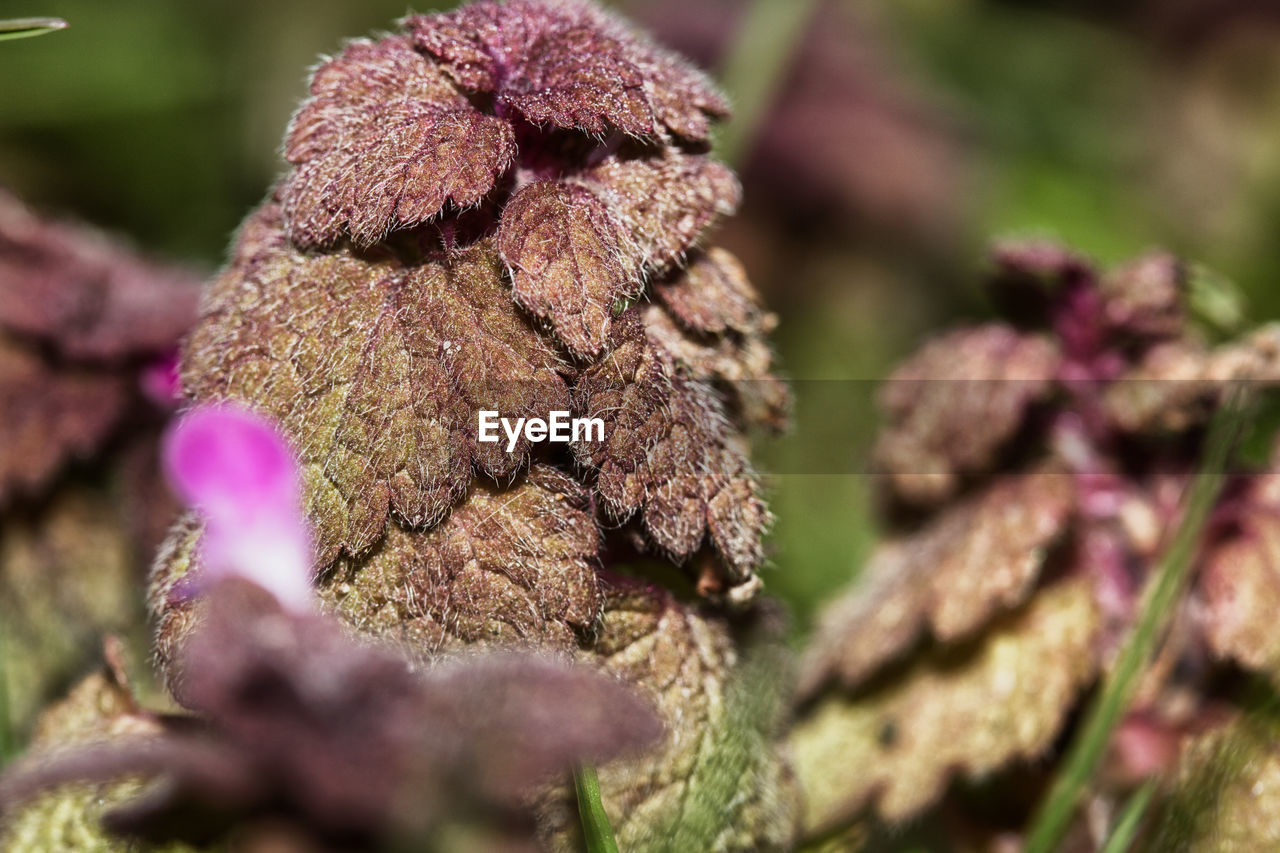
[[21, 28], [1130, 820], [1161, 597], [595, 823], [8, 745], [765, 43]]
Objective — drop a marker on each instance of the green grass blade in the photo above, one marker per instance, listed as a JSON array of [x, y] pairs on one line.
[[1163, 592], [595, 823], [8, 739], [756, 66], [1127, 825], [24, 28]]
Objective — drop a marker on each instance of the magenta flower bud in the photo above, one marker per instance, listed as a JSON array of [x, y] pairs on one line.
[[233, 467]]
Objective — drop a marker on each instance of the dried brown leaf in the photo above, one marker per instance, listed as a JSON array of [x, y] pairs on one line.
[[970, 562], [954, 405], [87, 296], [670, 454], [566, 63], [377, 373], [384, 142], [968, 710]]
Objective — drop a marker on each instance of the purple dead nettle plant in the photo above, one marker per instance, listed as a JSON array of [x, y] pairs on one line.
[[1033, 471], [504, 208]]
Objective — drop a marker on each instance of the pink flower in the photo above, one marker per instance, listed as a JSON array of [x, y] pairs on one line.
[[161, 381], [233, 467]]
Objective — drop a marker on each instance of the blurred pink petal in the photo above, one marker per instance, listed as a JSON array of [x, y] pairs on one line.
[[234, 467], [161, 380]]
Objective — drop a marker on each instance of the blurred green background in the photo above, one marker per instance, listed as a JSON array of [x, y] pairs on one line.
[[901, 136]]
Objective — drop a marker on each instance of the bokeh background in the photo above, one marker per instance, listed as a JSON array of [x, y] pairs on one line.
[[885, 143]]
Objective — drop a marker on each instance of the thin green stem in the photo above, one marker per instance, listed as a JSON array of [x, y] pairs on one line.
[[1130, 820], [755, 67], [8, 742], [595, 823], [23, 28], [1163, 593]]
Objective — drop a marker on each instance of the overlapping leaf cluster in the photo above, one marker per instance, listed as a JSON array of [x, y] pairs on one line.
[[506, 208], [1032, 471], [473, 207]]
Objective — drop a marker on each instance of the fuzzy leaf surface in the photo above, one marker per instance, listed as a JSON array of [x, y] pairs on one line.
[[570, 65], [376, 371], [709, 319], [671, 455], [383, 143]]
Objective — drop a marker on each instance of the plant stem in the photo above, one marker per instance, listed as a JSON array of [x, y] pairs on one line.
[[595, 823], [755, 67], [22, 28], [8, 743], [1162, 595], [1126, 827]]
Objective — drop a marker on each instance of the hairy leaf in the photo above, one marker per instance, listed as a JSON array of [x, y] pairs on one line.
[[711, 322], [85, 295], [508, 567], [665, 200], [684, 661], [384, 142], [955, 404], [377, 373], [970, 710], [714, 296], [670, 454], [578, 246], [571, 260], [566, 63], [971, 561]]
